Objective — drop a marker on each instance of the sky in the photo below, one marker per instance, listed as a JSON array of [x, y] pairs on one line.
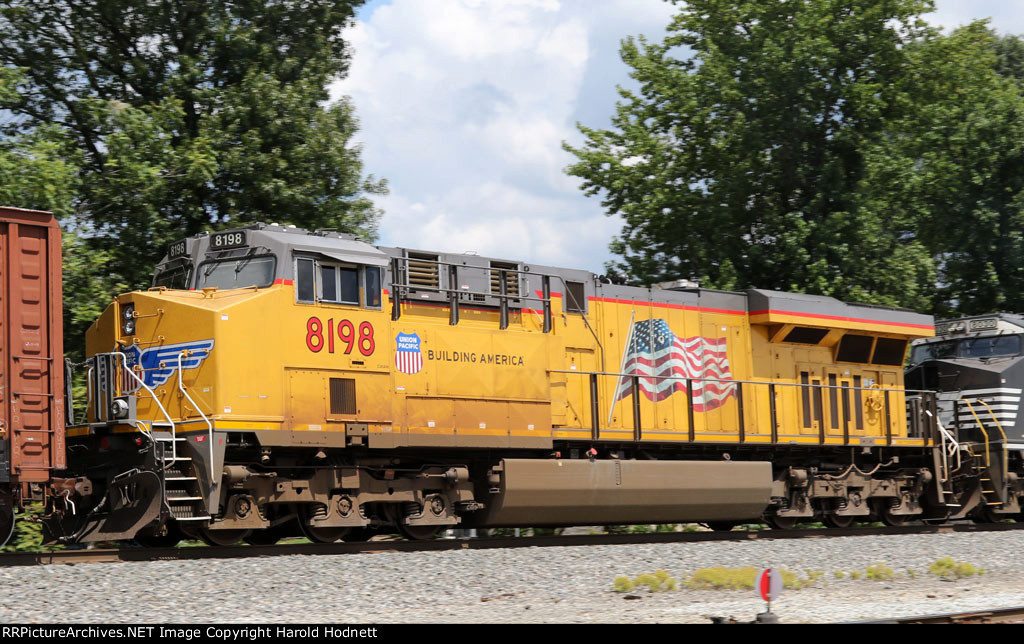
[[464, 105]]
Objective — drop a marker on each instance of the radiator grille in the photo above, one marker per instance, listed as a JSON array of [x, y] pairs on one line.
[[424, 270], [343, 396], [511, 278]]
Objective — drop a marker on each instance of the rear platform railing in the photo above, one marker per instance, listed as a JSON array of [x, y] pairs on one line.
[[752, 408]]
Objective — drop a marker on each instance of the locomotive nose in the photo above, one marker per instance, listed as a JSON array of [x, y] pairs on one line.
[[953, 375]]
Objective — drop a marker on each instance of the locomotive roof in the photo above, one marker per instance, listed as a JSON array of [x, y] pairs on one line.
[[768, 306], [764, 301], [277, 239]]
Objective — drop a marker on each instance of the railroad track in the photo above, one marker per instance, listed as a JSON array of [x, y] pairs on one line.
[[241, 551], [996, 616]]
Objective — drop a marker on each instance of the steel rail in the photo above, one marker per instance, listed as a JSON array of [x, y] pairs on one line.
[[1013, 615], [482, 543]]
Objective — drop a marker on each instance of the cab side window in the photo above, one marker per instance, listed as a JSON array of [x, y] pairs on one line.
[[318, 281], [305, 287]]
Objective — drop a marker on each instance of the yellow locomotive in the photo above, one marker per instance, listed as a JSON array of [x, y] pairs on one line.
[[275, 380]]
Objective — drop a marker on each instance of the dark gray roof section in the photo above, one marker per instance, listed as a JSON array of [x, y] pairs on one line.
[[338, 248], [762, 301]]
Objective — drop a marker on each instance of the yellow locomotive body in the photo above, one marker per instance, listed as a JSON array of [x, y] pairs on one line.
[[426, 390]]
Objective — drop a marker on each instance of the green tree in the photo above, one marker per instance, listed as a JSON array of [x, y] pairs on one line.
[[955, 165], [741, 159], [186, 116]]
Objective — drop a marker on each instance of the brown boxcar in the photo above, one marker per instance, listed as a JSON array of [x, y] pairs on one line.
[[32, 395]]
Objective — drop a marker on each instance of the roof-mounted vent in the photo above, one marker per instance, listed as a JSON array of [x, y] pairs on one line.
[[677, 285]]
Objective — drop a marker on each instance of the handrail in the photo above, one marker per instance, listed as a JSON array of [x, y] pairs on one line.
[[999, 426], [209, 425], [745, 382], [970, 407], [124, 364], [89, 394], [442, 290], [452, 291], [586, 321], [952, 449]]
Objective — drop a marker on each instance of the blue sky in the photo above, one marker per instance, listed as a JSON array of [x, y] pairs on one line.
[[464, 104]]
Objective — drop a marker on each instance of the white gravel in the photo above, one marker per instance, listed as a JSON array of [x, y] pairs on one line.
[[549, 585]]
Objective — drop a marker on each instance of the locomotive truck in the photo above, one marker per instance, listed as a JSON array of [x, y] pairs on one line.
[[277, 381]]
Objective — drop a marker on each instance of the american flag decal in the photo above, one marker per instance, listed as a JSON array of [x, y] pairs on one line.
[[655, 352], [408, 358]]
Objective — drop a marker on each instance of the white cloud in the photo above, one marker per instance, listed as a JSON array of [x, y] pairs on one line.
[[464, 105], [1006, 17]]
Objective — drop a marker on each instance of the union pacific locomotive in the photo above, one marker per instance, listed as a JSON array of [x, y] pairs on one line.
[[275, 381]]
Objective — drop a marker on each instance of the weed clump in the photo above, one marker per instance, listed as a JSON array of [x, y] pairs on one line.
[[659, 582], [623, 584], [721, 578], [948, 568], [879, 572]]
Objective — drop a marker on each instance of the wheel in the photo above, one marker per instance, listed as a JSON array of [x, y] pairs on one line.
[[721, 526], [170, 537], [835, 521], [890, 519], [412, 532], [319, 534], [884, 513], [222, 537], [781, 523]]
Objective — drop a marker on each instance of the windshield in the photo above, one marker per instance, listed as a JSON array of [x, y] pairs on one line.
[[175, 277], [1000, 345], [985, 347], [237, 273]]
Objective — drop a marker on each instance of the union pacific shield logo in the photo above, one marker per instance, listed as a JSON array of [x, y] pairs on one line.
[[408, 358]]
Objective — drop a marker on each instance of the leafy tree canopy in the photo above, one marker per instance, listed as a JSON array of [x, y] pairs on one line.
[[840, 147], [187, 116]]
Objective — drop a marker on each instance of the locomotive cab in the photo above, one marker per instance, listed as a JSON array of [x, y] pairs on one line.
[[977, 366]]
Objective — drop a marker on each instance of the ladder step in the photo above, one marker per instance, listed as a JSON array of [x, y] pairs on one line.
[[179, 499], [177, 458], [202, 518], [180, 478]]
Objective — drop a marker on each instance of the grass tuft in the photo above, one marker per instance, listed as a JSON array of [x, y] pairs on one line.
[[879, 572], [623, 584], [948, 568]]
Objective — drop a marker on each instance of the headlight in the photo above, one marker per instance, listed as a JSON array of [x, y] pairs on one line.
[[128, 315], [119, 408]]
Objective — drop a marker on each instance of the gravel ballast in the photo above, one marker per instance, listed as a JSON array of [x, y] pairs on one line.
[[523, 585]]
